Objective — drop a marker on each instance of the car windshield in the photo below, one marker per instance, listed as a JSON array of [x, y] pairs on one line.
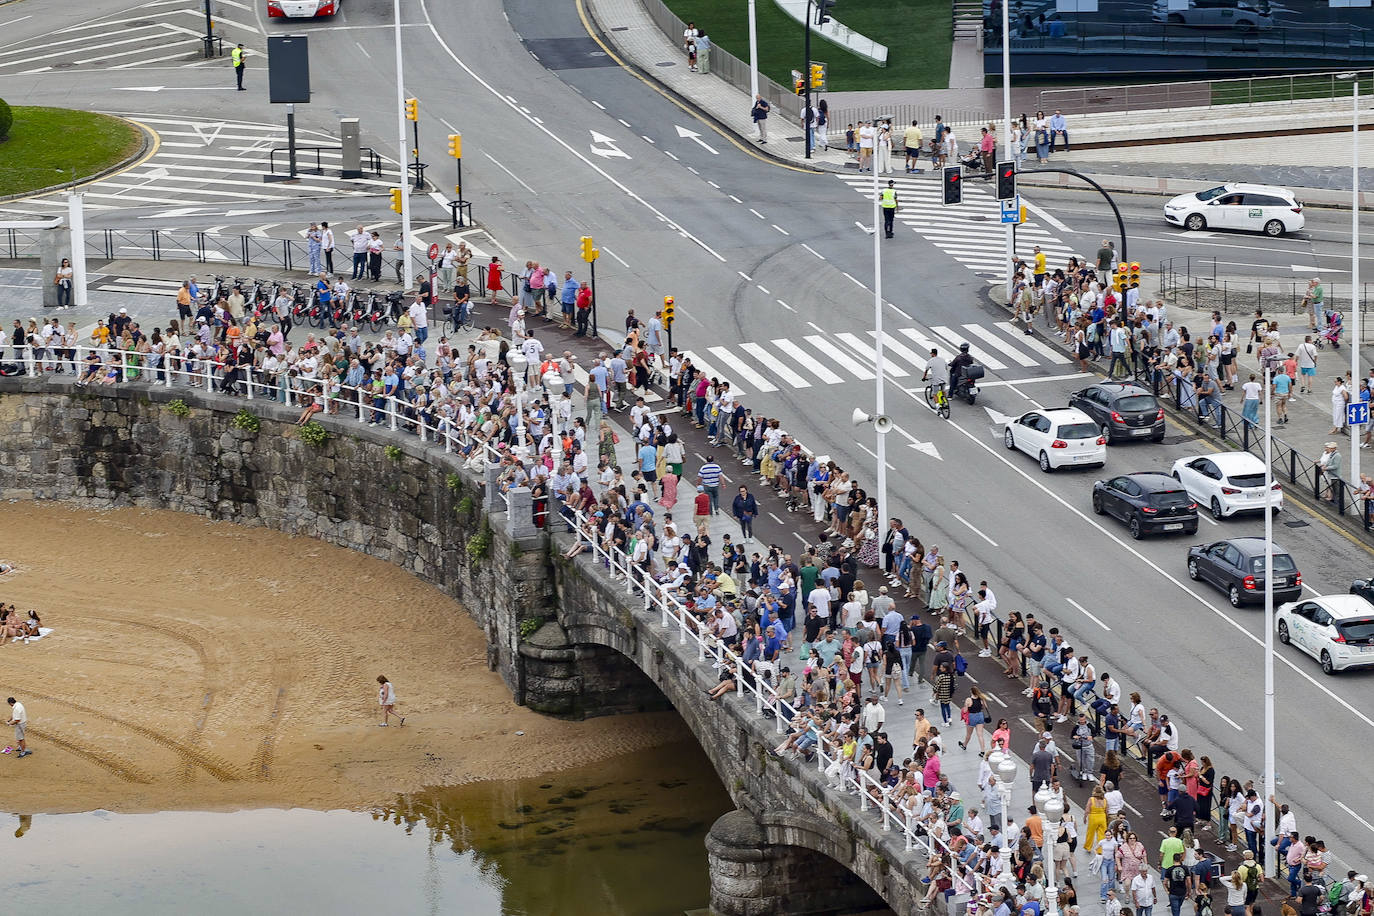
[[1247, 480], [1210, 193], [1357, 629], [1170, 499], [1137, 402], [1283, 564], [1078, 431]]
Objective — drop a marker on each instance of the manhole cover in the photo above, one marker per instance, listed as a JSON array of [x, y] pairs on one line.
[[620, 28], [62, 65], [1297, 524], [597, 54], [666, 63]]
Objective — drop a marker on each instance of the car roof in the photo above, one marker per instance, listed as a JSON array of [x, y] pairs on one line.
[[1065, 415], [1233, 461], [1345, 607], [1252, 547], [1154, 481], [1258, 188], [1119, 388]]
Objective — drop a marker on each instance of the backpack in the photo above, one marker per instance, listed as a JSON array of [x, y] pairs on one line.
[[960, 665], [1252, 877], [1334, 895]]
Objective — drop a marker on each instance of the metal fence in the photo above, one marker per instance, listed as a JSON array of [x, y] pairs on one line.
[[1337, 42], [1192, 282], [726, 65], [1201, 93], [903, 115]]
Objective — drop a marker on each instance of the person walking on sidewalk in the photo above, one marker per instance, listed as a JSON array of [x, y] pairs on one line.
[[1250, 399], [760, 115], [1306, 356], [19, 718], [745, 508], [887, 198], [1282, 387]]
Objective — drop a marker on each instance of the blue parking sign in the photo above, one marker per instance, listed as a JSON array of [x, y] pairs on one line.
[[1357, 414]]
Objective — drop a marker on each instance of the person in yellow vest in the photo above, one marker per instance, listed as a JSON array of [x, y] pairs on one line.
[[887, 199], [237, 55]]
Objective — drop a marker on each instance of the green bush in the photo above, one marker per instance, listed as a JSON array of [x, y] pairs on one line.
[[530, 626], [6, 119], [177, 408], [454, 482], [247, 421], [479, 545], [393, 452], [314, 434]]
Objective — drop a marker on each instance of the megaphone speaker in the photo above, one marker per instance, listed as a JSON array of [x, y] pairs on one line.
[[859, 417], [882, 424]]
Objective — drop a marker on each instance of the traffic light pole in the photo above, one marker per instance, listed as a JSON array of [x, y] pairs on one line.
[[594, 330], [409, 270], [1120, 223], [806, 75]]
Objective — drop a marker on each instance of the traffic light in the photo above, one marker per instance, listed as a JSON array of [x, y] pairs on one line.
[[1006, 181], [799, 85], [823, 8], [412, 109], [817, 75], [455, 145], [1133, 277], [1119, 281], [954, 184], [668, 311], [396, 199], [589, 254]]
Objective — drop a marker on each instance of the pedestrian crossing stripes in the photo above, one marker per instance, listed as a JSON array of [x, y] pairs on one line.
[[159, 33], [971, 232], [218, 164], [832, 359]]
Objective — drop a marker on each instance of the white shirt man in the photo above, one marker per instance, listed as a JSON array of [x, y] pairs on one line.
[[873, 715], [359, 240], [820, 600], [419, 315], [404, 343], [532, 349], [1143, 890]]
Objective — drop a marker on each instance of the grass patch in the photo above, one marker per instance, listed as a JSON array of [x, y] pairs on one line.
[[910, 64], [49, 146], [1284, 89]]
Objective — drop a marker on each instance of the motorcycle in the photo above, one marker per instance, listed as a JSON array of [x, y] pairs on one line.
[[966, 386]]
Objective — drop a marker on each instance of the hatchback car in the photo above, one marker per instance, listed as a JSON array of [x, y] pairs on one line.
[[1058, 437], [1148, 502], [1236, 567], [1246, 207], [1336, 630], [1238, 14], [1122, 410], [302, 9], [1227, 483]]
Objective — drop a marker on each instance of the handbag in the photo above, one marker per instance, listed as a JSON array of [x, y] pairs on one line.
[[1250, 348]]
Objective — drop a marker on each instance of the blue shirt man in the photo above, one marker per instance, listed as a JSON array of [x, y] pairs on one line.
[[569, 294], [648, 460]]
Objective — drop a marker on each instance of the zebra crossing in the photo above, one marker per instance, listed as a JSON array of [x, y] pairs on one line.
[[161, 32], [218, 165], [971, 232], [810, 360]]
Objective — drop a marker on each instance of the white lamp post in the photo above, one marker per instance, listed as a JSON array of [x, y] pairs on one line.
[[407, 268], [553, 381], [754, 54], [1050, 804], [518, 364], [1005, 766], [1354, 475], [1006, 126]]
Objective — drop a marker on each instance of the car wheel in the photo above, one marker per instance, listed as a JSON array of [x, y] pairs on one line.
[[1273, 228], [1233, 593], [1045, 463], [1216, 508], [1009, 439], [1327, 666], [1136, 531], [1192, 569], [1107, 432], [1275, 511], [1195, 222], [1158, 437], [1097, 504], [1283, 632]]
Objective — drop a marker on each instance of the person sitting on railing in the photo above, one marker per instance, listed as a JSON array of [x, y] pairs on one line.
[[92, 370]]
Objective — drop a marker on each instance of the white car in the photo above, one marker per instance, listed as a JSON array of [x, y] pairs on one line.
[[1247, 207], [1226, 482], [1058, 437], [302, 9], [1337, 630], [1237, 14]]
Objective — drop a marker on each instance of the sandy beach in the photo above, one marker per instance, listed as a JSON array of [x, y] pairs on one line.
[[198, 664]]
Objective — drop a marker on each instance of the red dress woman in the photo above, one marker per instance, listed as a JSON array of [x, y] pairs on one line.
[[495, 278]]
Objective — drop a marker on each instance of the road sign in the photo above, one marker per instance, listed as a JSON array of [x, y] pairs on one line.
[[1011, 210], [1357, 414], [434, 251]]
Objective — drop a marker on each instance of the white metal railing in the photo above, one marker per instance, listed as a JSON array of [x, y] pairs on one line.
[[672, 613]]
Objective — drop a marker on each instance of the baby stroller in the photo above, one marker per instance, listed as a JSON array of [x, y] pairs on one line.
[[1335, 325], [972, 162]]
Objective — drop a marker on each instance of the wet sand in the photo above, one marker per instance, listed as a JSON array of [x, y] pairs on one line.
[[198, 664]]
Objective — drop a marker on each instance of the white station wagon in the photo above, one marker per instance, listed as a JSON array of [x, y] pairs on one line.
[[1245, 207]]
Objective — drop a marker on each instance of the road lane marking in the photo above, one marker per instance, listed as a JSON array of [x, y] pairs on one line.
[[1346, 808], [763, 289], [786, 306], [967, 524], [759, 352], [502, 167], [598, 104], [1221, 715], [757, 213], [614, 255], [813, 251], [1089, 614]]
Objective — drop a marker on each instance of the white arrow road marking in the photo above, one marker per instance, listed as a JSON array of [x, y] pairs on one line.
[[183, 211], [695, 138], [998, 419], [926, 447], [250, 212], [610, 151], [209, 132]]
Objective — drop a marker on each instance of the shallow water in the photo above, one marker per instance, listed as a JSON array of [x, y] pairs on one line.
[[619, 838]]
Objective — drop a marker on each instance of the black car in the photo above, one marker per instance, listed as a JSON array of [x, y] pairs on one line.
[[1122, 410], [1364, 588], [1236, 566], [1148, 501]]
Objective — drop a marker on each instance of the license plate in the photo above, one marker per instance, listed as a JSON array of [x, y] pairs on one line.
[[1254, 494], [1141, 432], [1177, 526], [1367, 648]]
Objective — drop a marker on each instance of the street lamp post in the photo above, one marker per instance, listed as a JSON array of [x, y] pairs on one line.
[[753, 54], [1050, 804], [1010, 247], [1004, 764], [1354, 77], [879, 428], [518, 364], [407, 266], [553, 381], [1270, 777]]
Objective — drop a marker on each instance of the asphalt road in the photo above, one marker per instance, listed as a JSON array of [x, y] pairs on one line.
[[565, 145]]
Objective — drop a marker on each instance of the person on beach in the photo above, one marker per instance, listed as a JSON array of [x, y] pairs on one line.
[[386, 698], [19, 718]]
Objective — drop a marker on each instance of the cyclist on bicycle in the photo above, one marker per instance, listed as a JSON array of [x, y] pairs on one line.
[[936, 369], [957, 365]]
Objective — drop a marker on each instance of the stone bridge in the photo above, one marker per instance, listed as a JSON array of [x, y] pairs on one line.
[[566, 638]]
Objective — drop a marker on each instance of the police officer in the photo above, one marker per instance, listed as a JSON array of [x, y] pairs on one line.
[[887, 198], [237, 56]]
